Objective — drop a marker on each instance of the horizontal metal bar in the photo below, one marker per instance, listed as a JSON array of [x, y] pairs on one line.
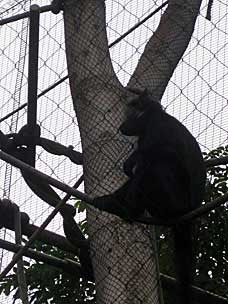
[[28, 229], [199, 295], [70, 191], [138, 24], [66, 265], [39, 95], [187, 217], [216, 161], [40, 175], [72, 267], [204, 209], [84, 197], [43, 9], [110, 45]]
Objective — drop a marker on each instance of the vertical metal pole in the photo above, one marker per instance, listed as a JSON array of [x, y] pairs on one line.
[[21, 278], [33, 75]]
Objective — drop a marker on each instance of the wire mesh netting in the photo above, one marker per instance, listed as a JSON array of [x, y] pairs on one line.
[[196, 95]]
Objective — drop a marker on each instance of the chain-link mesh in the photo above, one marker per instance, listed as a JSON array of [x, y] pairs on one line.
[[196, 95], [55, 112]]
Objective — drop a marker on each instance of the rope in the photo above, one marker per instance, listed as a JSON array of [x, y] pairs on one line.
[[33, 237]]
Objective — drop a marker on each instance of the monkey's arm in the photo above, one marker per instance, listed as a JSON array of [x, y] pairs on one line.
[[114, 203], [126, 202]]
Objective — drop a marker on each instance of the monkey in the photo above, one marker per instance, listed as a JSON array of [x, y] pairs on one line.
[[167, 163], [166, 178]]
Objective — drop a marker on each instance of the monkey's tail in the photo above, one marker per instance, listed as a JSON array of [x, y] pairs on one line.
[[183, 247]]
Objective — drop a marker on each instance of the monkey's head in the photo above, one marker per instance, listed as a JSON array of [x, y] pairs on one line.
[[141, 109]]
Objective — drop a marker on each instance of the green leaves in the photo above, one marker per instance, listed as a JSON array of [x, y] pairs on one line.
[[210, 235], [48, 284]]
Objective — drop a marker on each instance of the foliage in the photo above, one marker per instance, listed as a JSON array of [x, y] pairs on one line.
[[51, 285], [47, 284], [210, 231]]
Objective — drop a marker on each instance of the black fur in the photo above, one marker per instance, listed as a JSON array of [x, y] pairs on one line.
[[166, 178]]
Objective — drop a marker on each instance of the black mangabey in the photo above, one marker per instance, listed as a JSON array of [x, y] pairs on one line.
[[166, 177], [166, 172]]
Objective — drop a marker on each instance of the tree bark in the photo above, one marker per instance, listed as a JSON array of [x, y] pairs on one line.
[[123, 255], [166, 47]]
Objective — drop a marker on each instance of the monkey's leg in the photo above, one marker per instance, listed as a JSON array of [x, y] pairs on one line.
[[165, 190]]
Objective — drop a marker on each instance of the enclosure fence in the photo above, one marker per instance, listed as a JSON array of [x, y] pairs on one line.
[[196, 95]]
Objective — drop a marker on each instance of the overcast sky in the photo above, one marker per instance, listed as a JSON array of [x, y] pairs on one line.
[[196, 95]]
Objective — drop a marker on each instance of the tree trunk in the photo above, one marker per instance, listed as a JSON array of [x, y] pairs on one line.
[[123, 255]]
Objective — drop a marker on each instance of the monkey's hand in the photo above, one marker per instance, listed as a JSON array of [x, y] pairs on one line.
[[111, 204], [130, 164]]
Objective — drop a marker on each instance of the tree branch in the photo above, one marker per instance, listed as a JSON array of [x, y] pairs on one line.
[[166, 47]]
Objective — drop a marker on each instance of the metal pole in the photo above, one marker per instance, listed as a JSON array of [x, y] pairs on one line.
[[85, 197], [33, 76], [50, 7], [23, 289], [43, 9], [138, 24], [40, 175], [74, 268], [68, 266], [34, 236], [39, 95]]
